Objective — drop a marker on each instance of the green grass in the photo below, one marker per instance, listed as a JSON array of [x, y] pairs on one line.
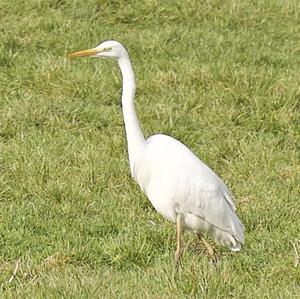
[[222, 76]]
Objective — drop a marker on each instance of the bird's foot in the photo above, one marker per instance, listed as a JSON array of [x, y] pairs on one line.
[[214, 259], [213, 256], [178, 255]]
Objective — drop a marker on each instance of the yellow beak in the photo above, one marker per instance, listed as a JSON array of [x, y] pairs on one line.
[[85, 53]]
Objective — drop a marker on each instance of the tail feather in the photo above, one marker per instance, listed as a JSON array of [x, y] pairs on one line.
[[228, 239], [238, 229]]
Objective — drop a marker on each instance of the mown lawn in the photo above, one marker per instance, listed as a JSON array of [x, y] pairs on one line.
[[221, 76]]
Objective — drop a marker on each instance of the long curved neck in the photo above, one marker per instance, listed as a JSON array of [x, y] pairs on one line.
[[135, 137]]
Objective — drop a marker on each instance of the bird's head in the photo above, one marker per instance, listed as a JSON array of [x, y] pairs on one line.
[[109, 48]]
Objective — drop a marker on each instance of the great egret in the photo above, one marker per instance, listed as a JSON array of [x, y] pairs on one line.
[[180, 186]]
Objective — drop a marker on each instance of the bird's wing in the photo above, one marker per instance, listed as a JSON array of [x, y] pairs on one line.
[[178, 159], [179, 174], [209, 202]]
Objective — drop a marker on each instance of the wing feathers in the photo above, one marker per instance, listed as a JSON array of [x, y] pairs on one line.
[[211, 203]]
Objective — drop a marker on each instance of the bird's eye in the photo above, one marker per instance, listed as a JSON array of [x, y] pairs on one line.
[[108, 49]]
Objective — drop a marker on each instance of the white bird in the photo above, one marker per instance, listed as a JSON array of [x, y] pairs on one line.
[[178, 184]]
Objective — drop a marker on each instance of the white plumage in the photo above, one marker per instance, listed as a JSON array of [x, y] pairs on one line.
[[179, 185], [177, 182]]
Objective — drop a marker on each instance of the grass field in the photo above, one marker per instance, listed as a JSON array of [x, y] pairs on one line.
[[221, 76]]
